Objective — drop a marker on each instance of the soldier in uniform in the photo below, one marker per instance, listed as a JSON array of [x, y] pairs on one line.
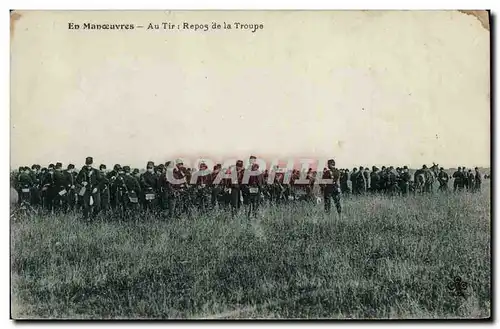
[[253, 191], [405, 179], [366, 176], [70, 176], [354, 181], [178, 200], [443, 179], [37, 185], [375, 180], [104, 188], [344, 180], [60, 189], [458, 183], [477, 180], [24, 185], [331, 190], [89, 179], [132, 191], [202, 188], [465, 178], [216, 187], [149, 185], [48, 188], [111, 176], [470, 180]]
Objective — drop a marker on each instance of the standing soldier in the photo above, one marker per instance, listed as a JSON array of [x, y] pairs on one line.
[[48, 188], [477, 180], [465, 179], [111, 176], [104, 188], [149, 185], [405, 181], [458, 180], [177, 201], [89, 179], [366, 176], [344, 179], [470, 180], [132, 190], [375, 180], [61, 189], [71, 181], [215, 186], [331, 190], [354, 181], [443, 179], [253, 190], [24, 185], [37, 185], [202, 188]]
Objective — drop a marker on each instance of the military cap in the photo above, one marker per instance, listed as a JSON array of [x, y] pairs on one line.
[[239, 163], [33, 167], [135, 171], [102, 166], [71, 166], [253, 157], [27, 168], [331, 161], [89, 160], [58, 165], [441, 168], [161, 166], [150, 164], [405, 167], [51, 165], [117, 167], [44, 169], [424, 167], [179, 161], [21, 168], [167, 164], [126, 169]]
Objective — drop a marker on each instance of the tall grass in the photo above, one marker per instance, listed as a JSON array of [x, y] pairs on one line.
[[385, 258]]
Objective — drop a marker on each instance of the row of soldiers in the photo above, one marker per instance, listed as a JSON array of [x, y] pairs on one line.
[[123, 190], [399, 180]]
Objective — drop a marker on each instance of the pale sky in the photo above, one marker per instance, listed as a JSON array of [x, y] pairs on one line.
[[364, 88]]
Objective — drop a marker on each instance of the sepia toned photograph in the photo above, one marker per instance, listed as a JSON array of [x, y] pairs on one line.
[[266, 164]]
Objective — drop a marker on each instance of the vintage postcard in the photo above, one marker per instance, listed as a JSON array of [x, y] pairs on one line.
[[250, 165]]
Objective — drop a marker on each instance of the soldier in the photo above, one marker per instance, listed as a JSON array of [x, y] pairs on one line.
[[70, 176], [253, 191], [458, 182], [354, 181], [178, 199], [132, 191], [375, 179], [344, 180], [477, 180], [392, 181], [89, 179], [37, 185], [470, 180], [111, 176], [366, 176], [60, 189], [465, 178], [48, 188], [216, 188], [24, 185], [202, 188], [104, 188], [443, 179], [405, 179], [331, 190], [149, 185]]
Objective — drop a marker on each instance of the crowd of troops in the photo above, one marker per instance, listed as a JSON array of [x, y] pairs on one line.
[[173, 189]]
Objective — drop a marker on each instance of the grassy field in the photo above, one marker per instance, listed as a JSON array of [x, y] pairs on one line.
[[386, 258]]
